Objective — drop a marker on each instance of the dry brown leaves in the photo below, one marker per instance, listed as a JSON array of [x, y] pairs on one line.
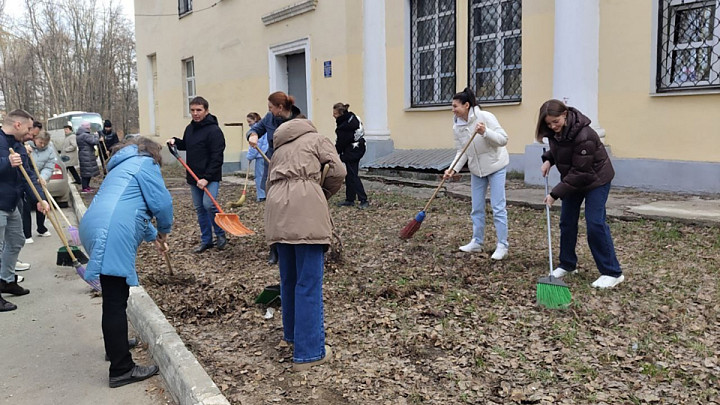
[[417, 321]]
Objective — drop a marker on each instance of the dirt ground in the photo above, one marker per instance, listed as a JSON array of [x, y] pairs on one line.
[[418, 322]]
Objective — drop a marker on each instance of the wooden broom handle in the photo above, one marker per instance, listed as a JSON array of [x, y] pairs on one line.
[[457, 159]]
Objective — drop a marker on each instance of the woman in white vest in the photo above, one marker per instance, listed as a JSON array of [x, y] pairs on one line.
[[487, 160]]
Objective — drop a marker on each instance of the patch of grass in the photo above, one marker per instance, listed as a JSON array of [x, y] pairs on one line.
[[515, 175], [666, 232], [500, 351], [653, 370], [543, 375], [584, 371]]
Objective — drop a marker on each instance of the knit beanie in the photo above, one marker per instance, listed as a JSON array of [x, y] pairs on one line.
[[108, 124]]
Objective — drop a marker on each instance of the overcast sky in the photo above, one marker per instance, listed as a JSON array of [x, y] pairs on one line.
[[16, 7]]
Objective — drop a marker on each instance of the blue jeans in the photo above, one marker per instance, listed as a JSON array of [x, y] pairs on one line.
[[259, 174], [12, 233], [206, 211], [479, 186], [598, 231], [301, 278]]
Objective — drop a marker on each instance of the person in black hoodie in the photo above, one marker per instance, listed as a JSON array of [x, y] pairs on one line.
[[108, 139], [350, 145], [204, 142], [15, 126]]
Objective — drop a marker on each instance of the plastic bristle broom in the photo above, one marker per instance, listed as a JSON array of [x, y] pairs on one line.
[[551, 291]]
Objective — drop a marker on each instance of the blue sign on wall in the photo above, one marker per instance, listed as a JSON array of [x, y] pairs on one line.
[[327, 68]]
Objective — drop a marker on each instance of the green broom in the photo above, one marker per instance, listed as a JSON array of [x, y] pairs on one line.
[[552, 292]]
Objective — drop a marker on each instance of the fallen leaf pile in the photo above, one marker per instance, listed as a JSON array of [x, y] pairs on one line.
[[418, 322]]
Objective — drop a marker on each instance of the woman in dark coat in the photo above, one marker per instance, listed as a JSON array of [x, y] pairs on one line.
[[585, 175], [86, 142], [350, 145]]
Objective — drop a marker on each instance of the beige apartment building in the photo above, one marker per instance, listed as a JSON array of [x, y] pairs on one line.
[[647, 72]]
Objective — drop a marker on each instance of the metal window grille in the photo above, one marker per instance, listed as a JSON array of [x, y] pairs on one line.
[[189, 68], [495, 71], [184, 6], [688, 45], [433, 52]]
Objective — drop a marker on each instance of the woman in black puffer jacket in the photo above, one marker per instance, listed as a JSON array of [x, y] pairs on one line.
[[86, 142], [350, 145], [585, 175]]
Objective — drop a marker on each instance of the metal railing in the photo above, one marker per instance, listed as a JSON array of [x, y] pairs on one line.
[[688, 45], [495, 42], [433, 52]]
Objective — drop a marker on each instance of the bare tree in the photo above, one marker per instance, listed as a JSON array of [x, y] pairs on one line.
[[70, 55]]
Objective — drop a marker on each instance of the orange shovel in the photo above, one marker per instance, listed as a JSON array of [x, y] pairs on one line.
[[229, 222]]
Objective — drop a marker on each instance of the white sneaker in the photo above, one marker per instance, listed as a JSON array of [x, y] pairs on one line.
[[46, 234], [472, 247], [29, 240], [608, 281], [19, 279], [560, 272], [501, 252], [20, 266]]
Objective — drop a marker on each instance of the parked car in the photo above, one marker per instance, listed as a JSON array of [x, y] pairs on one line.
[[58, 184]]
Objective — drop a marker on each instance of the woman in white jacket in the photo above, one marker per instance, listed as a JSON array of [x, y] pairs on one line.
[[487, 160]]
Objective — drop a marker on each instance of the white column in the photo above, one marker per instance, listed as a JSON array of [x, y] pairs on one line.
[[576, 57], [375, 71]]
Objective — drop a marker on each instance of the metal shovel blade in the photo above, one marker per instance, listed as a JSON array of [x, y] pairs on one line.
[[231, 224]]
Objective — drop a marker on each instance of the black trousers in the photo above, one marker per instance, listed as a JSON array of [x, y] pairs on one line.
[[86, 182], [73, 171], [29, 204], [353, 185], [115, 293]]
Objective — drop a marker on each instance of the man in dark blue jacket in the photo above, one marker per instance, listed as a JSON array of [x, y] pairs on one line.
[[204, 142], [12, 185]]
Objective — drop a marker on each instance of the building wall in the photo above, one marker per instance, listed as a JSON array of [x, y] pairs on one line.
[[230, 46], [638, 123]]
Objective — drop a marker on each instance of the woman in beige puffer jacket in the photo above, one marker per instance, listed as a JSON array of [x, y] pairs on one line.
[[297, 220]]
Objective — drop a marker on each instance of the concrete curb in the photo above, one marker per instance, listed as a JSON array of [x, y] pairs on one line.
[[186, 379]]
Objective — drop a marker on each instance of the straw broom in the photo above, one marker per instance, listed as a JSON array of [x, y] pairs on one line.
[[409, 230]]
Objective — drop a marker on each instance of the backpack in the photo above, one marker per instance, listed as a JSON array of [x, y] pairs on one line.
[[360, 132]]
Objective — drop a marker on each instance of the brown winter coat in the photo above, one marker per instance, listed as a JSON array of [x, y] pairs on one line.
[[579, 155], [296, 208]]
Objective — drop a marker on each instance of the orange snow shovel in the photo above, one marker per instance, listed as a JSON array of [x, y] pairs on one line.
[[229, 222]]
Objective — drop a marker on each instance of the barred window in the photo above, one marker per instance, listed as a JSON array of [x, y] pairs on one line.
[[688, 45], [184, 6], [433, 52], [495, 71], [189, 72]]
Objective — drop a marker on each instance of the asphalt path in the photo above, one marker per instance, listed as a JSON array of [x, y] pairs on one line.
[[52, 346]]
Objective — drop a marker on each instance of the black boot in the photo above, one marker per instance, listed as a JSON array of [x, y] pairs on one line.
[[6, 306], [221, 242], [138, 373], [272, 256], [12, 288]]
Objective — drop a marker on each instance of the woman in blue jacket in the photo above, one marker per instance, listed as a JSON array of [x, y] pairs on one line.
[[113, 227], [253, 154]]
